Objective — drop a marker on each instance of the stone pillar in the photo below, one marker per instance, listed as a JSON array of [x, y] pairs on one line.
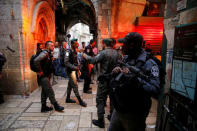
[[117, 17], [104, 18], [124, 14]]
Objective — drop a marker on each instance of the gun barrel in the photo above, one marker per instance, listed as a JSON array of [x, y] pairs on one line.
[[119, 76]]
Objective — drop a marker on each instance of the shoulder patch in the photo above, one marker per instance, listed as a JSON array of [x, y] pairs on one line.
[[155, 71]]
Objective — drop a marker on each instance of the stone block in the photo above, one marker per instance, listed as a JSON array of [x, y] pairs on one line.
[[69, 123], [105, 6], [10, 1], [72, 106], [8, 120], [10, 12], [12, 104], [38, 114], [58, 118], [28, 129], [89, 109], [68, 112], [104, 31], [28, 124], [99, 18], [91, 129], [36, 104], [52, 126], [85, 119], [32, 118], [30, 109], [11, 110]]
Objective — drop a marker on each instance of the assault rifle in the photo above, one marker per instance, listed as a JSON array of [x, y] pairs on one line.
[[134, 72]]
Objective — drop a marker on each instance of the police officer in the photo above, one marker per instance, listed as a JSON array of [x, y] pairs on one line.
[[86, 73], [43, 62], [71, 65], [139, 90], [107, 59]]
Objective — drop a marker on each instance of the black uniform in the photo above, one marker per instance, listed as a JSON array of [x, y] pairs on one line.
[[85, 70], [44, 63], [107, 59], [71, 64], [138, 96]]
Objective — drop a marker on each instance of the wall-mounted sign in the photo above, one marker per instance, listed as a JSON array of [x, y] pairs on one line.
[[185, 46], [181, 5], [184, 70]]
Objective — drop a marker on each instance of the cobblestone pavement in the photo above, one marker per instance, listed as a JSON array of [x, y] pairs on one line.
[[23, 114]]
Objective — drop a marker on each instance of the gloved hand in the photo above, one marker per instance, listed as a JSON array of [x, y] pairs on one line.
[[116, 70], [125, 70]]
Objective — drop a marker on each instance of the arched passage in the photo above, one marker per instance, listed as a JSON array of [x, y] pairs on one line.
[[43, 31], [43, 23], [73, 12]]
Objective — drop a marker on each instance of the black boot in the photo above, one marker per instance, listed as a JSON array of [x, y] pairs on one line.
[[81, 102], [100, 122], [58, 107], [68, 100], [88, 92], [45, 108]]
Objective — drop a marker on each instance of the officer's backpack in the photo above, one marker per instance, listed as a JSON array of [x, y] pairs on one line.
[[32, 63]]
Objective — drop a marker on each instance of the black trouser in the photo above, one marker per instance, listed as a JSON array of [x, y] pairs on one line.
[[72, 84], [87, 80], [101, 97], [47, 90], [127, 122]]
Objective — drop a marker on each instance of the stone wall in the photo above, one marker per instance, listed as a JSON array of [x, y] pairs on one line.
[[124, 14], [10, 26], [20, 30], [173, 18], [116, 18]]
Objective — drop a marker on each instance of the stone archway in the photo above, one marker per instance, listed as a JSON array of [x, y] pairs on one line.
[[42, 30], [70, 13], [43, 23]]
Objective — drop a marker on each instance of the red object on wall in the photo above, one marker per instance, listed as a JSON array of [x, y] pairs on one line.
[[151, 28]]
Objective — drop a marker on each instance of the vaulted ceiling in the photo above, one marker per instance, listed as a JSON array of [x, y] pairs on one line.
[[71, 12]]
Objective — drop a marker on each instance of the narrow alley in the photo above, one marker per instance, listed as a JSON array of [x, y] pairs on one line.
[[23, 114]]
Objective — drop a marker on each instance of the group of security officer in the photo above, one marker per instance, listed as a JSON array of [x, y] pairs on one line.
[[134, 55], [44, 62], [139, 100]]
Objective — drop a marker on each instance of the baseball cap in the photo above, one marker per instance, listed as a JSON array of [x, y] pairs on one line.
[[72, 41], [107, 41], [131, 37]]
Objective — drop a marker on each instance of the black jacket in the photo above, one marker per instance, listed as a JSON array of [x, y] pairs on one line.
[[70, 60], [44, 63]]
